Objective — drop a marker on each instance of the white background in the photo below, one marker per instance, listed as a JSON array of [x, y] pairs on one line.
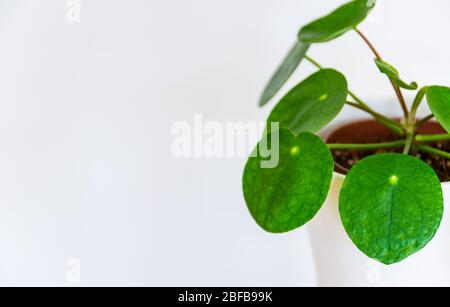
[[86, 111]]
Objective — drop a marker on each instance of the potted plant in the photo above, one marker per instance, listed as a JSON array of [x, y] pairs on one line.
[[375, 189]]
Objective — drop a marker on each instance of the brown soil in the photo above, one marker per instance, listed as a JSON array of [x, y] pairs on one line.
[[370, 131]]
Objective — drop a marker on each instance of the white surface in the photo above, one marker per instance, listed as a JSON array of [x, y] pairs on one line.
[[86, 110]]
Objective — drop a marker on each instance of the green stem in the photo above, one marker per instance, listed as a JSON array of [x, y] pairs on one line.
[[366, 146], [397, 89], [432, 138], [387, 122], [417, 101], [434, 151], [408, 144], [358, 100], [313, 62], [424, 120]]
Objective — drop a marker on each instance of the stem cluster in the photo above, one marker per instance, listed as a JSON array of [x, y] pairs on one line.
[[405, 128]]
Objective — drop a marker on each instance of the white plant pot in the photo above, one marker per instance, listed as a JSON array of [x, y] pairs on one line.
[[340, 263]]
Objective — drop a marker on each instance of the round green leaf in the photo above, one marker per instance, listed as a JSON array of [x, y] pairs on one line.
[[342, 20], [438, 98], [285, 70], [289, 195], [313, 103], [394, 75], [391, 206]]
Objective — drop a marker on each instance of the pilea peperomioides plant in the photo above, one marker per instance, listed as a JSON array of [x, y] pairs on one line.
[[391, 204]]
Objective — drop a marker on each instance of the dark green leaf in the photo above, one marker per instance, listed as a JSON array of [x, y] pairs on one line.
[[391, 206], [438, 98], [342, 20], [394, 75], [313, 103], [289, 195], [285, 70]]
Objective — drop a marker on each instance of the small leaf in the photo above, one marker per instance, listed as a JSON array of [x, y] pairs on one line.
[[342, 20], [394, 75], [313, 103], [438, 98], [286, 197], [285, 70], [391, 206]]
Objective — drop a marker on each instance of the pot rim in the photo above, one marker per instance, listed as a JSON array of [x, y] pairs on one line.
[[326, 133]]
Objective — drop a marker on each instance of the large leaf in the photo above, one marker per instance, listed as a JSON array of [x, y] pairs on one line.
[[342, 20], [438, 98], [285, 70], [391, 206], [313, 103], [394, 75], [286, 197]]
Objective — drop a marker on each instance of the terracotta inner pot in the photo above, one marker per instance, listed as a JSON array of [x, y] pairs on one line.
[[370, 131]]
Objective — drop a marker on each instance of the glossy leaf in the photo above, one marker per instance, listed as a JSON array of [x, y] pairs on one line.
[[438, 98], [342, 20], [391, 206], [394, 75], [285, 70], [286, 197], [313, 103]]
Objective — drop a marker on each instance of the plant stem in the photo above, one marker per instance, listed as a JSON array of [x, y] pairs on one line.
[[387, 122], [358, 100], [402, 100], [369, 43], [397, 89], [432, 138], [417, 101], [434, 151], [408, 143], [366, 146], [313, 62], [424, 120]]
